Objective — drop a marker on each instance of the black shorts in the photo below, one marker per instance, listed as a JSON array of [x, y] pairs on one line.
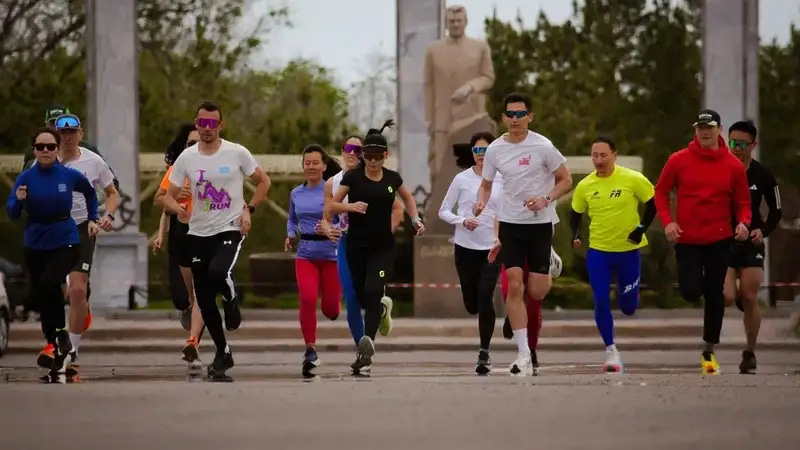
[[528, 242], [746, 254], [178, 245], [86, 250]]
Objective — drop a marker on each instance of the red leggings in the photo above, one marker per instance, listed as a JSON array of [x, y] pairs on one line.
[[534, 307], [313, 276]]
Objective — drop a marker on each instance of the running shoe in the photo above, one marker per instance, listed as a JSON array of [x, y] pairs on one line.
[[222, 362], [522, 366], [534, 363], [185, 318], [555, 264], [233, 316], [484, 364], [362, 365], [190, 352], [613, 362], [71, 364], [63, 348], [508, 333], [46, 356], [710, 364], [385, 326], [748, 364], [310, 363]]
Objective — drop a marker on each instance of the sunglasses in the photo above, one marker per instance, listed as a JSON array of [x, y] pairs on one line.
[[480, 151], [207, 123], [190, 143], [737, 143], [352, 148], [42, 147], [67, 122], [373, 156], [515, 114]]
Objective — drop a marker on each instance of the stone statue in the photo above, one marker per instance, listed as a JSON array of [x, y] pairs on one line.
[[458, 73]]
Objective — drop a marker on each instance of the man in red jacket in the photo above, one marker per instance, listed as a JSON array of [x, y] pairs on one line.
[[708, 181]]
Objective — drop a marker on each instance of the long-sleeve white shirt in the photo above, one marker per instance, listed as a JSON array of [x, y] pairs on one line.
[[463, 194]]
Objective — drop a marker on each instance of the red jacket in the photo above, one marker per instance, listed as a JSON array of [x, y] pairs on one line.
[[711, 185]]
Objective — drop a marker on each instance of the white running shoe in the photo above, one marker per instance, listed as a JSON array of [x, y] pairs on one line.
[[613, 362], [555, 263], [522, 366]]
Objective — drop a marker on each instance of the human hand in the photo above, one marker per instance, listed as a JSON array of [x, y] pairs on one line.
[[288, 244], [418, 225], [576, 243], [93, 228], [245, 222], [536, 203], [478, 208], [106, 223], [741, 232], [758, 236], [358, 207], [494, 251], [185, 194], [22, 193], [471, 223], [461, 94], [673, 232], [157, 242]]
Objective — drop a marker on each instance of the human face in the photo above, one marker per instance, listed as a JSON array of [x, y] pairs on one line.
[[374, 160], [208, 124], [479, 152], [70, 139], [742, 145], [350, 151], [603, 157], [707, 135], [456, 23], [194, 136], [313, 167], [45, 149], [517, 117]]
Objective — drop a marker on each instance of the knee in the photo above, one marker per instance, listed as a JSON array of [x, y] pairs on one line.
[[217, 275], [78, 292], [629, 304], [539, 286]]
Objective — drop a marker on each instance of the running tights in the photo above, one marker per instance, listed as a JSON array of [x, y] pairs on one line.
[[370, 269], [314, 276], [534, 307], [48, 270], [701, 272], [601, 265], [355, 321], [478, 280]]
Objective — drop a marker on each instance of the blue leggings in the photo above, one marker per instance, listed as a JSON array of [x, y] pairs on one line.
[[354, 318], [601, 265]]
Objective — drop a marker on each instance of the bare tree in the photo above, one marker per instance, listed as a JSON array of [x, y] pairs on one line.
[[373, 98]]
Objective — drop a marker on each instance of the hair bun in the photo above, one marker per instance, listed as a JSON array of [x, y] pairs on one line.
[[373, 131]]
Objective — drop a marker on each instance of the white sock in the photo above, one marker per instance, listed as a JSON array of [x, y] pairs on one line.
[[521, 336], [75, 339]]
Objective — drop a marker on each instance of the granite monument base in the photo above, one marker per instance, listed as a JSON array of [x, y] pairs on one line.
[[120, 262]]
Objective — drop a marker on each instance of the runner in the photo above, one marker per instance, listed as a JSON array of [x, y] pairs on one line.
[[711, 185], [95, 169], [473, 239], [51, 240], [611, 196], [747, 257], [534, 176], [315, 264], [336, 229], [218, 223], [178, 246], [371, 191]]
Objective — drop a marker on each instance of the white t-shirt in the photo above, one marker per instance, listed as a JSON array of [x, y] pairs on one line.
[[463, 193], [217, 186], [336, 181], [527, 169], [96, 170]]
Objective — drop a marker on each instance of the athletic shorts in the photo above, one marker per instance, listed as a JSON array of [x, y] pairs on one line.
[[746, 254], [86, 246], [178, 245], [529, 242]]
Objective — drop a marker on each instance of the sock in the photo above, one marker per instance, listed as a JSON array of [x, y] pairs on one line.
[[612, 347], [75, 339], [521, 336], [709, 348]]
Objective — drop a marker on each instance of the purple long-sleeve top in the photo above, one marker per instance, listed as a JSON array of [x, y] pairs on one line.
[[305, 212]]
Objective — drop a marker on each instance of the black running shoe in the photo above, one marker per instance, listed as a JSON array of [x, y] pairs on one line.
[[748, 364], [310, 363], [362, 366], [222, 362], [508, 333], [186, 319], [233, 316], [63, 348], [484, 365], [534, 362]]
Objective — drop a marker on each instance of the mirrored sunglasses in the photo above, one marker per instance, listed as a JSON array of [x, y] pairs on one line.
[[480, 151], [352, 148], [373, 156], [738, 144], [68, 122], [207, 123], [515, 114]]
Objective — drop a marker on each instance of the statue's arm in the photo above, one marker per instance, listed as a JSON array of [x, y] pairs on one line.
[[429, 94], [485, 80]]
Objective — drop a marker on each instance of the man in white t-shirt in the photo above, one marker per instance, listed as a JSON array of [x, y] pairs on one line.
[[534, 175], [97, 171], [218, 224]]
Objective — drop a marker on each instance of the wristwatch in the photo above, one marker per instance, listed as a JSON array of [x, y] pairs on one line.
[[548, 199], [110, 216], [252, 209]]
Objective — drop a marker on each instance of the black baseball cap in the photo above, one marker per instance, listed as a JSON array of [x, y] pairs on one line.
[[53, 112], [708, 117], [374, 142]]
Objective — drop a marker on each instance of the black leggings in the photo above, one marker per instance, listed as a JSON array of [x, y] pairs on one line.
[[213, 259], [370, 269], [478, 280], [48, 269], [701, 272]]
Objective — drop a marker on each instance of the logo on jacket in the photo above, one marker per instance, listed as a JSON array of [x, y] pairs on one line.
[[62, 187]]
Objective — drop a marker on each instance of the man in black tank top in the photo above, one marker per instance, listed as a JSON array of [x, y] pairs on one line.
[[747, 257]]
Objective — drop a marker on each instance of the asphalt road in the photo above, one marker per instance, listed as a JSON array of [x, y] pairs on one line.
[[424, 400]]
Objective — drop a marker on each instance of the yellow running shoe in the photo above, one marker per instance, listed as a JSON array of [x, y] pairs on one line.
[[386, 318], [710, 364]]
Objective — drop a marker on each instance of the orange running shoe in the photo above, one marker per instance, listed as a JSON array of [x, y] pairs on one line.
[[47, 356], [88, 321], [190, 353]]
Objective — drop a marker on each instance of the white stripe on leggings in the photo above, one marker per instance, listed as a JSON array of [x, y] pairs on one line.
[[228, 278]]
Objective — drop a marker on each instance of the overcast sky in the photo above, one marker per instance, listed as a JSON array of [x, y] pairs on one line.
[[338, 34]]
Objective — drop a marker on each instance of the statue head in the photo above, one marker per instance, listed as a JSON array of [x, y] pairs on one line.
[[456, 20]]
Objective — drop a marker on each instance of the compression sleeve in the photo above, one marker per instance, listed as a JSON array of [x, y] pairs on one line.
[[575, 224], [772, 197], [649, 213]]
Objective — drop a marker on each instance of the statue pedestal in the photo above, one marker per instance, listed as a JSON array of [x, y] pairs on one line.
[[120, 261]]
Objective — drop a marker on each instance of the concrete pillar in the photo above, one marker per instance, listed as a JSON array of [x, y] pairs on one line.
[[113, 123]]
